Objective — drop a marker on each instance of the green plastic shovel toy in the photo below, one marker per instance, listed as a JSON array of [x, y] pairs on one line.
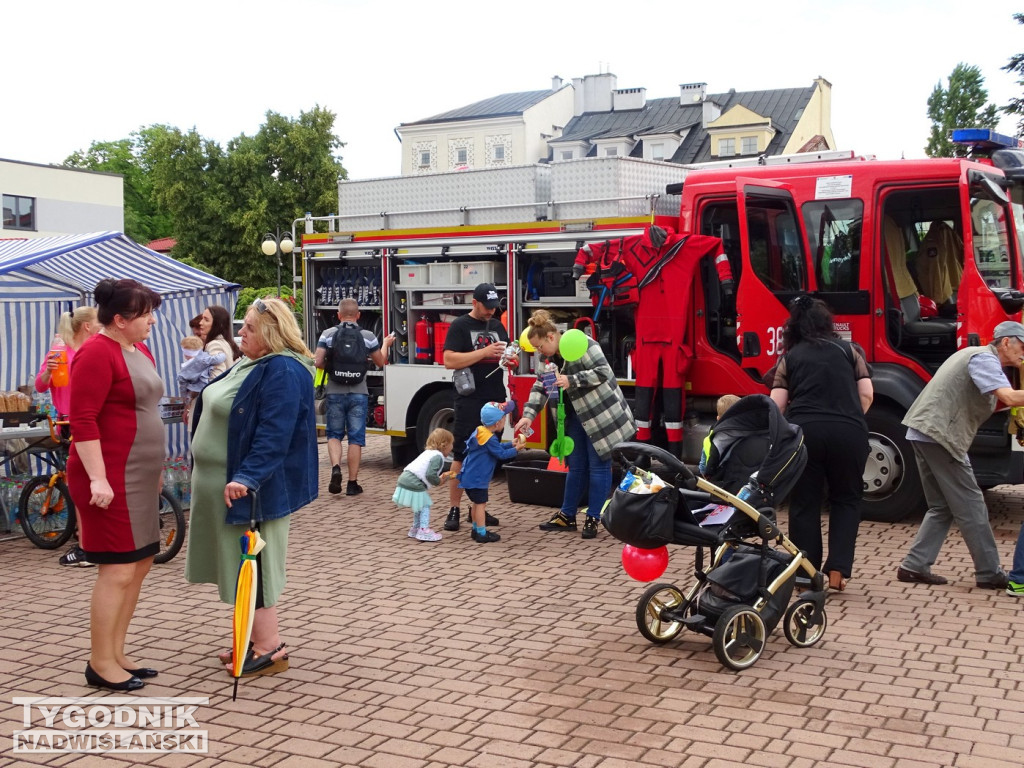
[[562, 445]]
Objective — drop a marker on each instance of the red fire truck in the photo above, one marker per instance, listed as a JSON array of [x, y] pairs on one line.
[[916, 259]]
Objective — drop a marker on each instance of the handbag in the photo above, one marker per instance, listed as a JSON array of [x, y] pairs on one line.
[[464, 382], [642, 520]]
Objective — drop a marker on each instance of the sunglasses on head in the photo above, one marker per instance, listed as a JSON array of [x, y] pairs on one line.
[[260, 306]]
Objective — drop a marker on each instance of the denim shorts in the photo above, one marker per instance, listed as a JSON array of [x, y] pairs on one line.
[[347, 414]]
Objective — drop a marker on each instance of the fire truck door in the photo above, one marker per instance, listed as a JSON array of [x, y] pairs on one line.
[[992, 278], [834, 228], [773, 272]]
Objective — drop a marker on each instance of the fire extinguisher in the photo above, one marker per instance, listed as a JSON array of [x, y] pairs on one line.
[[424, 341]]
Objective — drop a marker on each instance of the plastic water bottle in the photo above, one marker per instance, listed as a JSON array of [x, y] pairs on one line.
[[15, 498], [59, 352], [170, 481], [751, 491], [184, 482]]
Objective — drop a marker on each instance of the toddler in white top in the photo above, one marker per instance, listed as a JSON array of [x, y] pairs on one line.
[[415, 481]]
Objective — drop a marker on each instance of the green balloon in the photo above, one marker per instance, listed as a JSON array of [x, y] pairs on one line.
[[573, 344]]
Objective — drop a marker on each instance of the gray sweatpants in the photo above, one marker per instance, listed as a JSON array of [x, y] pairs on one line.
[[952, 494]]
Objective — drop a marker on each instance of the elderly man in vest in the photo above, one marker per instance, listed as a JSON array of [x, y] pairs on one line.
[[941, 425]]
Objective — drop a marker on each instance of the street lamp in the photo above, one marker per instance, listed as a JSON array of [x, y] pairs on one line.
[[279, 243]]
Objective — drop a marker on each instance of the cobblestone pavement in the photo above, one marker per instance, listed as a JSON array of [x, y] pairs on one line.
[[526, 653]]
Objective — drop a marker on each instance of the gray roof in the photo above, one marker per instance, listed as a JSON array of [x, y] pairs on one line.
[[504, 105], [783, 106]]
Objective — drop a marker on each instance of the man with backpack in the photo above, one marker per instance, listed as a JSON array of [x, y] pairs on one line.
[[344, 352]]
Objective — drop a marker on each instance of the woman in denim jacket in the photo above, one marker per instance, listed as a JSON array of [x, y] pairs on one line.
[[254, 430]]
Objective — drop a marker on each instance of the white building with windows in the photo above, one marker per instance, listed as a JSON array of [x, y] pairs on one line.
[[47, 200], [592, 117], [509, 129]]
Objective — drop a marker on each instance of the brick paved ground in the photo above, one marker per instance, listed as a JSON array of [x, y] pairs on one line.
[[525, 653]]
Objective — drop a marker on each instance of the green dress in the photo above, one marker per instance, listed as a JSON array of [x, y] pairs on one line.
[[214, 551]]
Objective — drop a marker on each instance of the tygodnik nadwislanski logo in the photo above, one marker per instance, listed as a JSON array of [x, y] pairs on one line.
[[110, 724]]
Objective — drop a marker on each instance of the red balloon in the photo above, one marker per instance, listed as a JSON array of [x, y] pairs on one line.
[[644, 564]]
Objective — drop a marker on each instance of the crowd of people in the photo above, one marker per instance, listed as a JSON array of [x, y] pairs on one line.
[[253, 440]]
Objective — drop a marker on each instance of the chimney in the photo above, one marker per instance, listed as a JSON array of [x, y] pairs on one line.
[[709, 112], [692, 93], [556, 83], [629, 98], [593, 93]]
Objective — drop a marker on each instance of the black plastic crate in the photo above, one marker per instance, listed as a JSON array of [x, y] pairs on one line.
[[531, 482]]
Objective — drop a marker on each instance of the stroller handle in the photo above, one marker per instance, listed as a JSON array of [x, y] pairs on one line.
[[628, 453]]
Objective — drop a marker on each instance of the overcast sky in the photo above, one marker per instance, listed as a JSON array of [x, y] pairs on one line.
[[79, 72]]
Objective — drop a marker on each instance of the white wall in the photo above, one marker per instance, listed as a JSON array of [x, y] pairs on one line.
[[67, 201]]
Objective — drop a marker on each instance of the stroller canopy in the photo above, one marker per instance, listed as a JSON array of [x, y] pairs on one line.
[[753, 436]]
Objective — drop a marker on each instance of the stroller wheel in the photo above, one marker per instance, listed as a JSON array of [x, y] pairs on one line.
[[653, 603], [739, 637], [801, 626]]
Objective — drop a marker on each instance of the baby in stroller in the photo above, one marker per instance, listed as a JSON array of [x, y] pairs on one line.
[[752, 458]]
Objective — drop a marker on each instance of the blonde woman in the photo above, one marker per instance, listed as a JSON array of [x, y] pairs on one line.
[[254, 427], [74, 328]]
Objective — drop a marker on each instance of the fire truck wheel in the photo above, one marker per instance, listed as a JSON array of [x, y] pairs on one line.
[[892, 486], [436, 412]]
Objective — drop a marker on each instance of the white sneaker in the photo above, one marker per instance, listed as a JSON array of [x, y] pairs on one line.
[[426, 534], [412, 532]]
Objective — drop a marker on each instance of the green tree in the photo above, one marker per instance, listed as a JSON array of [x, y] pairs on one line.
[[960, 105], [224, 201], [1016, 66], [144, 220], [219, 202]]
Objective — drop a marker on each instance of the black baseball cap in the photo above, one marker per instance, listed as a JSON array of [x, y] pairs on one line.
[[487, 295]]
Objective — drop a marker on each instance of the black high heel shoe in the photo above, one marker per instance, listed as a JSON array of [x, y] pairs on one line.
[[131, 684], [143, 673]]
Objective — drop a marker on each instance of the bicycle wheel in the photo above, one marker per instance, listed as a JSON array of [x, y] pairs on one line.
[[47, 512], [172, 527]]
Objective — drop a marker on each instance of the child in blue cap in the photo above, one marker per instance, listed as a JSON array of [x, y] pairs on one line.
[[484, 450]]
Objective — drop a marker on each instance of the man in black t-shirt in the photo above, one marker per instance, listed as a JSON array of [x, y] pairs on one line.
[[474, 341]]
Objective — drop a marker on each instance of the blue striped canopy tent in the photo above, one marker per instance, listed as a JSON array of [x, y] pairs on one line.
[[41, 278]]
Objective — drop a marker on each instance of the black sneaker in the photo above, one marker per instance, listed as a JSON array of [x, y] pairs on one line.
[[451, 523], [590, 528], [75, 556], [335, 486], [485, 537], [489, 519], [353, 488], [559, 523]]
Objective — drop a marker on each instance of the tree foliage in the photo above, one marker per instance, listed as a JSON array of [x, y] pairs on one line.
[[144, 220], [960, 105], [219, 202], [1016, 66]]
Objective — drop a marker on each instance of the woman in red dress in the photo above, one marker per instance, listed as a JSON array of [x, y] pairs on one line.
[[114, 470]]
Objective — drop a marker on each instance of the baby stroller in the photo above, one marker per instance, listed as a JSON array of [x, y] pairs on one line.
[[757, 456]]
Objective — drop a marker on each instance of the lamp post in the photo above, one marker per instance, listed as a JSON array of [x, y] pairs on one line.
[[277, 243]]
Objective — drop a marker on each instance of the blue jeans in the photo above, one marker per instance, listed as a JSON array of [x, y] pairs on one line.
[[1017, 574], [347, 414], [587, 471]]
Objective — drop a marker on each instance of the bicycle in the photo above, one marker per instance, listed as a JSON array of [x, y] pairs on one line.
[[47, 512]]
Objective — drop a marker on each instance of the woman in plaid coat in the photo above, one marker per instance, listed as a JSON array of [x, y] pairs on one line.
[[596, 418]]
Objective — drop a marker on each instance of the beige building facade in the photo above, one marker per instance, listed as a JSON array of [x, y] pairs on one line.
[[48, 200]]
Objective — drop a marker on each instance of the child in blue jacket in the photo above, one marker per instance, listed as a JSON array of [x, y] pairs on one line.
[[484, 450]]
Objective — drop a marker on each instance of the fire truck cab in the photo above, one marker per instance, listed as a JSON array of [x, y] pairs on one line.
[[916, 259]]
